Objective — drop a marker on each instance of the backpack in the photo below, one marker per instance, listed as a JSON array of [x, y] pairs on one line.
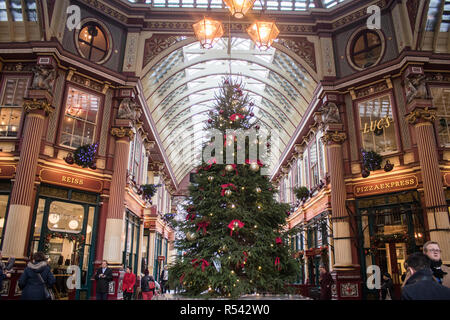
[[151, 285]]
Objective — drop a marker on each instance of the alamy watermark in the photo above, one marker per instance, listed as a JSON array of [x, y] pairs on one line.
[[374, 21]]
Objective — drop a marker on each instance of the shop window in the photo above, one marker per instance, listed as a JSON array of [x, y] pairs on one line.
[[3, 207], [3, 11], [441, 100], [377, 125], [80, 119], [299, 173], [14, 91], [65, 217], [132, 235], [93, 42], [366, 49]]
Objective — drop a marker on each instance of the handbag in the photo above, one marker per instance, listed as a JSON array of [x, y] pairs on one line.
[[388, 295], [49, 295]]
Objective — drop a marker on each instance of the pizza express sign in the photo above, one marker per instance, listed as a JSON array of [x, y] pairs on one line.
[[386, 186]]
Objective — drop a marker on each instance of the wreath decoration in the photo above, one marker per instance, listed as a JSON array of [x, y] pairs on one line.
[[78, 238]]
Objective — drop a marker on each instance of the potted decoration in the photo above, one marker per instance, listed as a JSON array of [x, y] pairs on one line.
[[84, 156], [371, 162], [149, 190], [302, 193]]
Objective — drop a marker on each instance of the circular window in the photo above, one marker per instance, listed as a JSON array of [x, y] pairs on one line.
[[366, 49], [93, 42]]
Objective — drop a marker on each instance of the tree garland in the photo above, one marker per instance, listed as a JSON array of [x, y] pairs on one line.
[[79, 238]]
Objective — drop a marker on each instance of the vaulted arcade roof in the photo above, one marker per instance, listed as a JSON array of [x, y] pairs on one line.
[[180, 91], [277, 5]]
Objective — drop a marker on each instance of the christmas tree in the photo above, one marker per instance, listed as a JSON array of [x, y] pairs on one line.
[[236, 242]]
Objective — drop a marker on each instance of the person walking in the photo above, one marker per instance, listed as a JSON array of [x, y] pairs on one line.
[[147, 286], [103, 277], [129, 280], [387, 287], [36, 279], [440, 271], [325, 283], [164, 279], [421, 284], [3, 272]]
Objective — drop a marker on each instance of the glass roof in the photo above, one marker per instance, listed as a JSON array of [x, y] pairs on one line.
[[180, 90], [277, 5]]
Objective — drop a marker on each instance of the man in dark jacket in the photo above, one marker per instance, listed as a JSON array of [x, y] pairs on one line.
[[103, 278], [421, 285], [35, 277], [325, 283]]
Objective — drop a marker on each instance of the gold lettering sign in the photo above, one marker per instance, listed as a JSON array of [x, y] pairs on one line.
[[392, 185], [377, 125], [72, 180]]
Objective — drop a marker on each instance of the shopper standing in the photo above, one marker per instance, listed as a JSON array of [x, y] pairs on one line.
[[147, 286], [36, 279], [440, 271], [164, 279], [103, 278], [325, 283], [129, 280]]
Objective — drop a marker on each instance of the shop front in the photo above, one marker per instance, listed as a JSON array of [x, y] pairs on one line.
[[390, 226], [64, 227]]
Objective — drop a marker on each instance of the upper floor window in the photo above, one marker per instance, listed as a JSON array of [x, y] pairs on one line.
[[314, 164], [377, 125], [441, 99], [14, 90], [137, 160], [93, 42], [18, 10], [299, 172], [80, 120], [366, 49]]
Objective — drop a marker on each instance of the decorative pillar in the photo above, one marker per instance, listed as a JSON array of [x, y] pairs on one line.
[[422, 116], [37, 107], [341, 227], [346, 274], [112, 250]]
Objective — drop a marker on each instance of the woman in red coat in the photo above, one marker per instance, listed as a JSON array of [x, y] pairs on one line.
[[129, 280]]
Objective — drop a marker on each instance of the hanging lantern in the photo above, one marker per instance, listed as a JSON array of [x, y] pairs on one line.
[[239, 8], [263, 33], [208, 31]]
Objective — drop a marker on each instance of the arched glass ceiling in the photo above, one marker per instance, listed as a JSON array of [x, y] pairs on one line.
[[180, 91], [275, 5]]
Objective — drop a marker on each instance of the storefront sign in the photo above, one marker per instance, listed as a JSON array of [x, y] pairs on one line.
[[374, 125], [386, 186], [71, 180], [7, 171]]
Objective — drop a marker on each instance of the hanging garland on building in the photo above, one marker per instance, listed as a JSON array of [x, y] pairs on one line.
[[149, 190], [78, 238], [384, 238]]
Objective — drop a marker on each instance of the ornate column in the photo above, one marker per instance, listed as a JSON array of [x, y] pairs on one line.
[[345, 273], [341, 228], [37, 107], [112, 250], [422, 116]]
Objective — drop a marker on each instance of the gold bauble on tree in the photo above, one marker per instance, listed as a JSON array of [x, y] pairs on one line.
[[258, 190], [210, 178], [254, 167], [229, 168], [191, 236]]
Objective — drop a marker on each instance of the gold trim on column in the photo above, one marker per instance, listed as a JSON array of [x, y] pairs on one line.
[[335, 137], [423, 115], [34, 104], [122, 132]]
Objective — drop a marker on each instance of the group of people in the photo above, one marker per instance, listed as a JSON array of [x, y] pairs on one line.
[[148, 286], [426, 278]]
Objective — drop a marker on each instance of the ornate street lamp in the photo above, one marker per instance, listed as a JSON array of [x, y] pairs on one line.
[[208, 31], [263, 33], [239, 8]]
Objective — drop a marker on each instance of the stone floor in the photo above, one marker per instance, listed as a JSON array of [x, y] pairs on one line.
[[172, 296]]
